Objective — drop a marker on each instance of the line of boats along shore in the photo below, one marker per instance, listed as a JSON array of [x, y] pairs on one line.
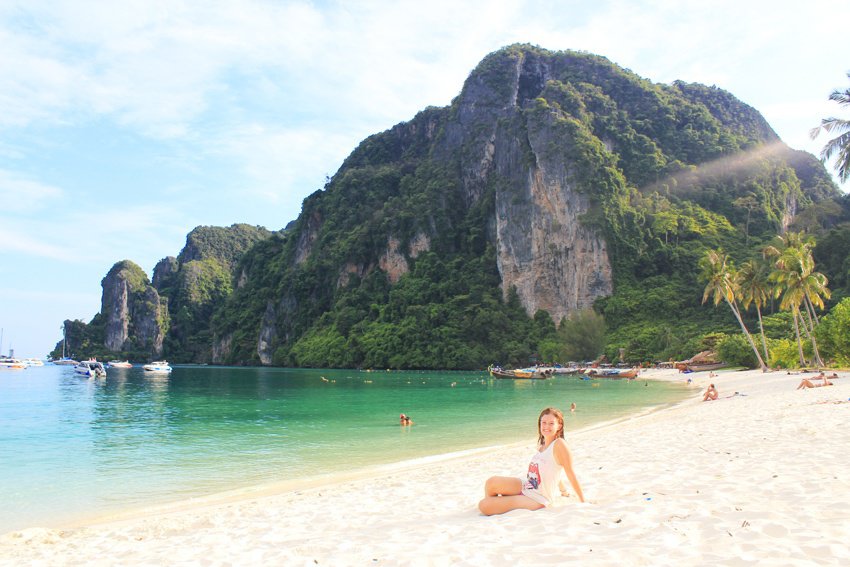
[[595, 371], [90, 368]]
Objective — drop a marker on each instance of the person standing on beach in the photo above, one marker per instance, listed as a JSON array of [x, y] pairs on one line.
[[541, 486]]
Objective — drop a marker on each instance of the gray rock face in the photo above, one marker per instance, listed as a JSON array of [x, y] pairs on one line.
[[116, 311], [221, 349], [149, 314], [268, 331], [136, 317], [543, 250], [308, 238]]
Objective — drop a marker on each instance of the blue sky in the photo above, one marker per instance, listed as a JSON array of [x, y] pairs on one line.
[[123, 125]]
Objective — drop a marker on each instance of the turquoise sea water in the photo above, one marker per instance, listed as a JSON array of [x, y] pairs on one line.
[[71, 447]]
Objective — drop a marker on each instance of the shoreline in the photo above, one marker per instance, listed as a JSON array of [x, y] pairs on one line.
[[757, 476], [330, 480], [48, 513]]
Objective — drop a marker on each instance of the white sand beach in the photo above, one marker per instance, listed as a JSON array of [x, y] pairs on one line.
[[761, 478]]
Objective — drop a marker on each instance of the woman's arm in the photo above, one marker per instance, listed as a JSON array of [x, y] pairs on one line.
[[563, 458]]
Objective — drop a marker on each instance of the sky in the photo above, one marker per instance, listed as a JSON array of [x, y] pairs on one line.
[[124, 125]]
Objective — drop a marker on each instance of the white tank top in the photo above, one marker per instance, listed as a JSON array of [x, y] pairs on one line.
[[541, 483]]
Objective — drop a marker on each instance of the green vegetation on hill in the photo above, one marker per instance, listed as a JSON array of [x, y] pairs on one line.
[[193, 286], [636, 149], [395, 262]]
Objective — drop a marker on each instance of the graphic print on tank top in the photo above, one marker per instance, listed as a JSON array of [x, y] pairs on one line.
[[533, 479]]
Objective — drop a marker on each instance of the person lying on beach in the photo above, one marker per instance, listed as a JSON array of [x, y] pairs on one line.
[[710, 393], [806, 383], [541, 486]]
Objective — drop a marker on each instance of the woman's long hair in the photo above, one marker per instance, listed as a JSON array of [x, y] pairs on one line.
[[558, 415]]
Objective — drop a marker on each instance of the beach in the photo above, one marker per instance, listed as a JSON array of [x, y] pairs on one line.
[[761, 477]]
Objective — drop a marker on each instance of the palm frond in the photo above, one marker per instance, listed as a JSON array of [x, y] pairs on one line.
[[841, 144]]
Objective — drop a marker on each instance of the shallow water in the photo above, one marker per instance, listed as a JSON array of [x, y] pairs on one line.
[[71, 447]]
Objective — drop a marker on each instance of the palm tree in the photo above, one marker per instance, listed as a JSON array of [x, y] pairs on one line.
[[717, 272], [839, 145], [787, 279], [755, 288], [800, 287]]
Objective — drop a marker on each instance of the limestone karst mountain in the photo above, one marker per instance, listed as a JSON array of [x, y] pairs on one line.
[[554, 182]]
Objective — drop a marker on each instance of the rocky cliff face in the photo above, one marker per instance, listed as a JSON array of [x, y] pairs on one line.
[[136, 318], [543, 250], [171, 316]]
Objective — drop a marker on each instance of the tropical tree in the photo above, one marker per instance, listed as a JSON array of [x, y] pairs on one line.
[[834, 333], [839, 145], [750, 203], [800, 287], [583, 335], [755, 288], [721, 284]]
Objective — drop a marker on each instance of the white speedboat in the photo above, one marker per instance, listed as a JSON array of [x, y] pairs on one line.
[[159, 366], [91, 368], [33, 362], [120, 364], [7, 363]]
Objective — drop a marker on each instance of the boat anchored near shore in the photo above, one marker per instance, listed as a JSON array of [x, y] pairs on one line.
[[91, 368], [519, 374], [159, 366], [7, 363]]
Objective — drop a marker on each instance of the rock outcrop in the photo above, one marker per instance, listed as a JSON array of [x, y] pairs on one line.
[[164, 271], [544, 251], [268, 332], [135, 316]]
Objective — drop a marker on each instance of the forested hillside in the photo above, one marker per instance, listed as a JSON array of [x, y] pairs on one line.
[[403, 259], [558, 208]]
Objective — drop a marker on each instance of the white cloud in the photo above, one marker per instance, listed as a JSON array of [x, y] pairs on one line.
[[23, 195], [15, 241]]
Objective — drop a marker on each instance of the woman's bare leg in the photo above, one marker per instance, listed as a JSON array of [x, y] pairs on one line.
[[502, 486], [503, 494], [500, 504]]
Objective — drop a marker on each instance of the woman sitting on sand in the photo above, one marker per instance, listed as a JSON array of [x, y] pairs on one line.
[[540, 488], [710, 393]]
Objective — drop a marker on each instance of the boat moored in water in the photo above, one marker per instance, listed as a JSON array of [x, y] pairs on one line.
[[7, 363], [119, 364], [159, 366], [521, 374], [613, 373], [91, 368]]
